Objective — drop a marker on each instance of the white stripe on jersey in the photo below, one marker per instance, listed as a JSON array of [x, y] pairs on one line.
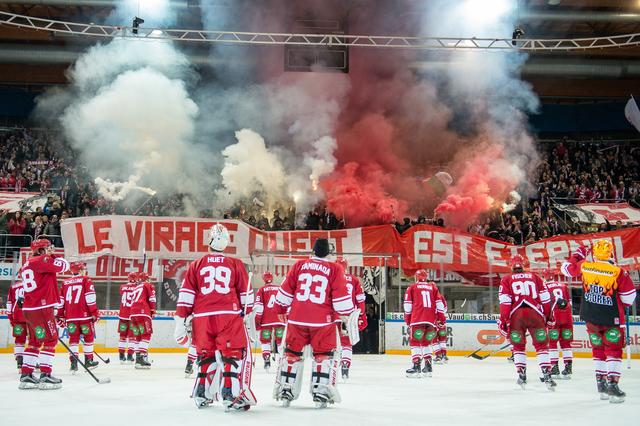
[[186, 298]]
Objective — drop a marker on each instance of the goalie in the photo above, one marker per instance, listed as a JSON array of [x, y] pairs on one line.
[[215, 291], [315, 291]]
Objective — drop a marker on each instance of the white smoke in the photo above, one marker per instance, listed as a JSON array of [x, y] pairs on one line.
[[130, 116], [512, 202]]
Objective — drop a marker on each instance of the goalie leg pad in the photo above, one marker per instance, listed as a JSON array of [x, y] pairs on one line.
[[324, 377], [205, 389], [289, 377]]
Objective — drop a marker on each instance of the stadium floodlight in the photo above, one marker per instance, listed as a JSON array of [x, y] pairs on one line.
[[517, 33]]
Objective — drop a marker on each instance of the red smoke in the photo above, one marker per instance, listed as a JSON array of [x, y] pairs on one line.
[[482, 182]]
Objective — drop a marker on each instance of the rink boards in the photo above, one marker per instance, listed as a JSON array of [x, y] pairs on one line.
[[465, 333]]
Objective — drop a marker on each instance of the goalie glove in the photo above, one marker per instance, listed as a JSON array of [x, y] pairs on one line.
[[180, 332]]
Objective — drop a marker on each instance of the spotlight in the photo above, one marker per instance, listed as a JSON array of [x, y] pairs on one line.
[[136, 24], [517, 33]]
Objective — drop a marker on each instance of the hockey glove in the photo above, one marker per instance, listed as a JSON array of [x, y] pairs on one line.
[[551, 322], [562, 303], [503, 327], [95, 317], [20, 302], [180, 332], [580, 254], [362, 323], [61, 322]]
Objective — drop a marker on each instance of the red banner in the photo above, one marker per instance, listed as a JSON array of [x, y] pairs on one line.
[[421, 246]]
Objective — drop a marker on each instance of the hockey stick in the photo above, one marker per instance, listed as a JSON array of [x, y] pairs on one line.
[[102, 381], [473, 354], [106, 361], [626, 314], [490, 353]]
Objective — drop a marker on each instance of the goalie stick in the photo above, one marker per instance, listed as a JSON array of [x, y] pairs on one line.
[[476, 356], [101, 381]]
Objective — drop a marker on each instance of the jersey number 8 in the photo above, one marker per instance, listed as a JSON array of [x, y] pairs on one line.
[[28, 280]]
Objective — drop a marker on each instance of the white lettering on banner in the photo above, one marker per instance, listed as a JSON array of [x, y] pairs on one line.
[[558, 252], [464, 252], [619, 252], [494, 255], [442, 248], [535, 252], [420, 246]]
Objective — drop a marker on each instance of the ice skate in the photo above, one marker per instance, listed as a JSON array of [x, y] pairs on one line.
[[568, 370], [130, 359], [414, 372], [199, 397], [74, 366], [445, 359], [427, 370], [555, 371], [321, 400], [602, 388], [49, 382], [616, 396], [233, 403], [188, 370], [19, 362], [28, 381], [522, 377], [286, 396], [437, 359], [142, 363], [345, 371], [90, 363], [548, 380], [510, 359], [123, 358], [267, 364]]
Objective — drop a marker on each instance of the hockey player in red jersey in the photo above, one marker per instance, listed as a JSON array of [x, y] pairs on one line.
[[440, 342], [78, 310], [525, 305], [423, 314], [40, 299], [315, 291], [143, 309], [607, 291], [268, 321], [18, 324], [127, 340], [216, 291], [358, 298], [562, 332]]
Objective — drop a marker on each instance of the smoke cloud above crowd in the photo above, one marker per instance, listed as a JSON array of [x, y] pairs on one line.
[[365, 144]]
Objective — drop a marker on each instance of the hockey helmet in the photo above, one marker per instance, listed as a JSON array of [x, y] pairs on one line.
[[421, 276], [267, 277], [517, 262], [41, 244], [77, 267]]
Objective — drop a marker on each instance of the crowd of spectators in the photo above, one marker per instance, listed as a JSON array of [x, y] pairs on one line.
[[569, 171]]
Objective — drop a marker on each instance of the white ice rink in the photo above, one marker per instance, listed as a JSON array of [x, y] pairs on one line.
[[464, 392]]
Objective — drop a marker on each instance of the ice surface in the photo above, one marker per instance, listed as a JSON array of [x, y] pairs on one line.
[[464, 392]]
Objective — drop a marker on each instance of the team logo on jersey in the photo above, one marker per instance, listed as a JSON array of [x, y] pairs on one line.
[[123, 327], [279, 332], [135, 330], [515, 337], [431, 335], [595, 339], [541, 335], [567, 334], [612, 335], [18, 329], [417, 334], [554, 334], [141, 329], [40, 333], [266, 334], [84, 328], [442, 332], [72, 327]]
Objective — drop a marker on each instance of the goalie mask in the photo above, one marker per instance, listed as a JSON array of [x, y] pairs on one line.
[[219, 237]]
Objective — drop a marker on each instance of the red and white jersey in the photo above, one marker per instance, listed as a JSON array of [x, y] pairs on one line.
[[265, 306], [214, 285], [558, 291], [423, 304], [523, 288], [40, 283], [15, 311], [143, 300], [316, 291], [355, 291], [445, 307], [126, 300], [78, 299]]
